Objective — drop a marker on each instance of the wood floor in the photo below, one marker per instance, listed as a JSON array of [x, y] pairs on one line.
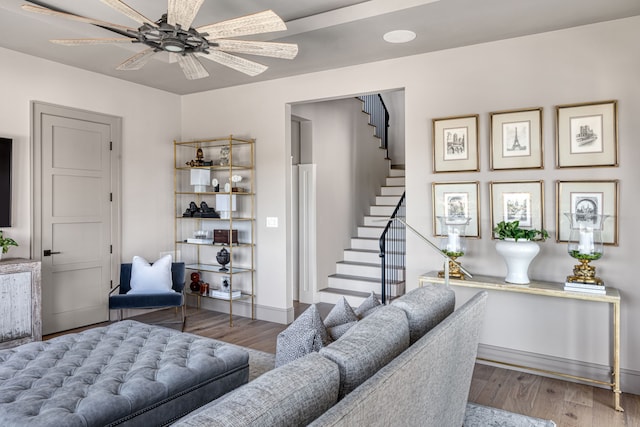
[[566, 403]]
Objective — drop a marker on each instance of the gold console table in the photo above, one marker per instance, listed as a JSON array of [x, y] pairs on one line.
[[551, 290]]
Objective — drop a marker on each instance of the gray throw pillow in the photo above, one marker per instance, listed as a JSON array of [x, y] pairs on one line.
[[305, 335], [340, 319], [367, 306]]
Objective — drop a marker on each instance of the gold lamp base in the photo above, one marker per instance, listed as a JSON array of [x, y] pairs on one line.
[[584, 273], [454, 271]]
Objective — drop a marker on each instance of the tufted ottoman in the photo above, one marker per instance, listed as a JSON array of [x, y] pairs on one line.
[[127, 373]]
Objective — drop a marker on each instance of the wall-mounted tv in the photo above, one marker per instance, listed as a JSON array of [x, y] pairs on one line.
[[5, 182]]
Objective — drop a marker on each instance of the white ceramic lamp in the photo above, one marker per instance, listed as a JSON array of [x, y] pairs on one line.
[[225, 204], [200, 178]]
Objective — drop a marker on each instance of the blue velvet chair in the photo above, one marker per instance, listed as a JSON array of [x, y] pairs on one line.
[[121, 300]]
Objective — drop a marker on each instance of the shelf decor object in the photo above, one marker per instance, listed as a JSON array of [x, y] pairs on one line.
[[454, 243], [585, 244], [215, 235]]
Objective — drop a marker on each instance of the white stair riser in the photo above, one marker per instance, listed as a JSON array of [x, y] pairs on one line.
[[391, 191], [370, 232], [362, 286], [375, 221], [361, 256], [331, 298], [384, 211], [359, 270], [396, 172], [395, 181], [387, 200], [366, 244]]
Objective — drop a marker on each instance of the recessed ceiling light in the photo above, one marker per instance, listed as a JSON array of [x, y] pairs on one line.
[[399, 36]]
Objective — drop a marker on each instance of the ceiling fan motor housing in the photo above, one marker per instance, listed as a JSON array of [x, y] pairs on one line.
[[172, 38]]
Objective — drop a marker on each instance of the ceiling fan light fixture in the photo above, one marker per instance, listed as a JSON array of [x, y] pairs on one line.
[[173, 45], [399, 36]]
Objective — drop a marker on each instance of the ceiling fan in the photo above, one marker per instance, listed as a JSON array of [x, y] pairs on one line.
[[173, 33]]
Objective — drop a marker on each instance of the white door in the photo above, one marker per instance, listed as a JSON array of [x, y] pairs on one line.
[[76, 217]]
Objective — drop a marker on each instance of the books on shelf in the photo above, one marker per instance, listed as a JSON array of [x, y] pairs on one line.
[[226, 294], [585, 287]]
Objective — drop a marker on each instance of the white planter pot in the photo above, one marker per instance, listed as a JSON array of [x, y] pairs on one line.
[[517, 255]]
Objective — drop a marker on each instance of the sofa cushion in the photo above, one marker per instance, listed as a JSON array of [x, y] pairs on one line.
[[291, 395], [340, 319], [368, 346], [367, 306], [305, 335], [425, 307]]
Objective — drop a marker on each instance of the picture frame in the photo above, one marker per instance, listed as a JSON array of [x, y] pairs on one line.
[[455, 144], [601, 196], [456, 198], [517, 201], [516, 139], [587, 134]]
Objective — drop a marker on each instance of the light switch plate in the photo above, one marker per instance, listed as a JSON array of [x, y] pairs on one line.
[[272, 222]]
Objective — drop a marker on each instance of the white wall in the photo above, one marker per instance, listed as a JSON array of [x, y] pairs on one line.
[[350, 170], [590, 63], [150, 121], [394, 101]]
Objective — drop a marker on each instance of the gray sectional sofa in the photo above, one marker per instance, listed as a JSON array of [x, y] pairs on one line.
[[406, 364]]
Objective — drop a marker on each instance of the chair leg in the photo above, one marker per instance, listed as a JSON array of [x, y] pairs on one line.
[[119, 315], [184, 317]]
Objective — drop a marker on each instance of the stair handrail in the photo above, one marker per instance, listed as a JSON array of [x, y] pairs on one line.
[[399, 252], [378, 116]]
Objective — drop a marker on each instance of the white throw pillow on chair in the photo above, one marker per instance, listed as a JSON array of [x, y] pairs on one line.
[[149, 278]]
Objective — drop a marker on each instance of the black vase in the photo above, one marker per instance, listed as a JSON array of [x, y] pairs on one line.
[[223, 259]]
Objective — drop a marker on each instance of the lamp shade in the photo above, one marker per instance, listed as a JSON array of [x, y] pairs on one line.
[[225, 203], [200, 178]]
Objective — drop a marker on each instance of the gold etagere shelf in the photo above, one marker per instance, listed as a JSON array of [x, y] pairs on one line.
[[214, 199]]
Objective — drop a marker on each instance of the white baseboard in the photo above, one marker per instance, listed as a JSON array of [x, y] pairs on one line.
[[243, 308], [629, 379]]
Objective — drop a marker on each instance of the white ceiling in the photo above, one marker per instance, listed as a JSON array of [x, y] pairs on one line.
[[329, 33]]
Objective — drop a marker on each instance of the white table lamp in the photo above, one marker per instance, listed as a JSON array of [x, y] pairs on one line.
[[200, 178], [225, 204]]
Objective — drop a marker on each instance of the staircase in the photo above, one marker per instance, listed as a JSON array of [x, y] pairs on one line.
[[359, 272]]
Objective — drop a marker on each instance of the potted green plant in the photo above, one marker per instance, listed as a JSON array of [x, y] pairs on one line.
[[5, 242], [518, 247]]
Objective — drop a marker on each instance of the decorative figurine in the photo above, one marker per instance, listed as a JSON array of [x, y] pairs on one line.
[[224, 156], [206, 212], [199, 161], [195, 282], [192, 210], [216, 185]]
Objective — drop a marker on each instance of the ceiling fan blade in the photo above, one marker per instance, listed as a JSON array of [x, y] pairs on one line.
[[274, 50], [183, 12], [45, 11], [137, 61], [239, 64], [262, 22], [129, 12], [191, 67], [173, 57], [77, 42]]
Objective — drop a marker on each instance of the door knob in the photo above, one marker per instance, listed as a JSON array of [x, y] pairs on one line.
[[47, 252]]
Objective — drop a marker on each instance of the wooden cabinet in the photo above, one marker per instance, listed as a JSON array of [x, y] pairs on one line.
[[20, 302], [214, 207]]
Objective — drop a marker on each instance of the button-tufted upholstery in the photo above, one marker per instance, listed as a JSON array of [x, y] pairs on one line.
[[125, 372]]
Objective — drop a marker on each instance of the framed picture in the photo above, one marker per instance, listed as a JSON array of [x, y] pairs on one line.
[[517, 201], [455, 144], [456, 199], [599, 197], [587, 135], [516, 140]]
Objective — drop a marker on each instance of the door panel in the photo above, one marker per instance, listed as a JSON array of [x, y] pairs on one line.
[[76, 221]]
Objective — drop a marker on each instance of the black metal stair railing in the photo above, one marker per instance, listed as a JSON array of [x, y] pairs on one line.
[[393, 250], [379, 116]]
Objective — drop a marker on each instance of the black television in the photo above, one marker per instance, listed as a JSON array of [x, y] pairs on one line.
[[5, 182]]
